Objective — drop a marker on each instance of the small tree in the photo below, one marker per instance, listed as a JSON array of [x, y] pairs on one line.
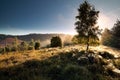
[[2, 50], [37, 45], [23, 46], [86, 21], [56, 42], [106, 37], [7, 48], [16, 43], [31, 45]]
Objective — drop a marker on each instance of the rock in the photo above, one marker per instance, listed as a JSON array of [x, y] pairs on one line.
[[113, 70], [93, 58], [67, 51], [116, 71], [73, 55], [83, 60], [107, 55]]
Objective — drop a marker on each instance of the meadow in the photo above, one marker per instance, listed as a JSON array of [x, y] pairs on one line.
[[67, 63]]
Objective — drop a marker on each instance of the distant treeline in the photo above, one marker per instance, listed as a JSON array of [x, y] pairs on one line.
[[28, 37], [20, 46], [44, 38], [112, 37], [55, 41]]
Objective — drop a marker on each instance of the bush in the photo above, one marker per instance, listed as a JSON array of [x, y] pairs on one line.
[[30, 48], [37, 45], [75, 72], [56, 42], [31, 45], [112, 37], [23, 46], [7, 49], [55, 72], [100, 77], [96, 68], [2, 50], [48, 46], [83, 61], [14, 49]]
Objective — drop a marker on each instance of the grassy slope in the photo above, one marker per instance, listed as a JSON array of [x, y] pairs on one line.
[[69, 63]]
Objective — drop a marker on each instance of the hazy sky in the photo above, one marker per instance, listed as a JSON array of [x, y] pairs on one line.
[[51, 16]]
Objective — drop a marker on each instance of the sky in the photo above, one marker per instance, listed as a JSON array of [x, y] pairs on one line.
[[19, 17]]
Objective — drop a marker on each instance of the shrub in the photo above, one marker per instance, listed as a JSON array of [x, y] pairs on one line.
[[55, 72], [56, 42], [75, 72], [14, 49], [83, 60], [31, 45], [100, 77], [7, 49], [2, 50], [23, 46], [48, 46], [37, 45], [96, 68], [30, 48]]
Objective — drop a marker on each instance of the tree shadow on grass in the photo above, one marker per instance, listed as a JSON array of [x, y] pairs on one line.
[[36, 69], [64, 66]]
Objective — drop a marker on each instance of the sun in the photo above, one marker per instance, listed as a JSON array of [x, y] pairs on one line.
[[103, 21]]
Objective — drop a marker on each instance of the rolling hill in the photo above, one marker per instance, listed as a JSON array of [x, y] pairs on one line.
[[44, 38], [67, 63]]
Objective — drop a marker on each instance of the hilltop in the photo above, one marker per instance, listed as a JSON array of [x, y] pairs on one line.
[[67, 63]]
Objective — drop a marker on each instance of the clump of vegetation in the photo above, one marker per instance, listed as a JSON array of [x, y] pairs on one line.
[[107, 55], [2, 50], [13, 48], [23, 46], [31, 45], [56, 42], [75, 72], [106, 37], [112, 37], [7, 49], [116, 34], [37, 45], [78, 40]]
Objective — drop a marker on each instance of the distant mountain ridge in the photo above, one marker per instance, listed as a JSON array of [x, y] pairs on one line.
[[9, 41], [44, 38]]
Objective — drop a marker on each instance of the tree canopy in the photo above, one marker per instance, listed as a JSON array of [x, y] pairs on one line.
[[112, 37], [56, 42], [116, 34], [116, 29], [86, 22]]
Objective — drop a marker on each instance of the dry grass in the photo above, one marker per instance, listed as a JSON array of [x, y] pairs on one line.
[[15, 58], [36, 64]]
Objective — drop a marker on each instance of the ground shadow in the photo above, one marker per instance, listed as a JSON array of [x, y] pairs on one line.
[[64, 66]]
